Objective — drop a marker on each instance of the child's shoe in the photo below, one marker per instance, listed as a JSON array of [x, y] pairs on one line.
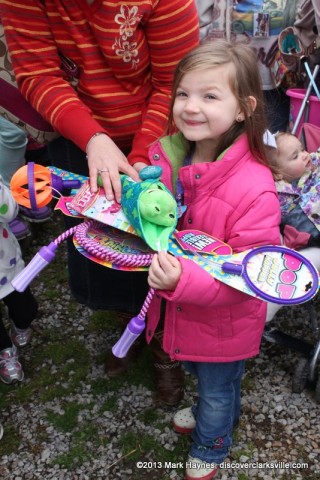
[[19, 229], [10, 367], [184, 421], [20, 337], [197, 469], [35, 216]]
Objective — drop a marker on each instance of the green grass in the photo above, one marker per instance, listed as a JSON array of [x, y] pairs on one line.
[[66, 421], [41, 377], [12, 440], [150, 416], [100, 318], [79, 452]]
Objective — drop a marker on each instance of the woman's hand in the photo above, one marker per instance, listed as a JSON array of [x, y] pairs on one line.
[[106, 159], [164, 272]]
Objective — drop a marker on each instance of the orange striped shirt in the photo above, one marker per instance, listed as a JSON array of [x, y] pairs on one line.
[[126, 53]]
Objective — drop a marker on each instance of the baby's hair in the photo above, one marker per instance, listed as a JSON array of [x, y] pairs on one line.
[[273, 154], [244, 82]]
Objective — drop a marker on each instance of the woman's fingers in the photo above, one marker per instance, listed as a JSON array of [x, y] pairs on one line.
[[108, 161]]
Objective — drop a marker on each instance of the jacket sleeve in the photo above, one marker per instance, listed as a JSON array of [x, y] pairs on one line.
[[37, 68], [258, 226], [172, 30]]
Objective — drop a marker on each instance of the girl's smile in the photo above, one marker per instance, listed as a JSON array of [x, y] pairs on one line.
[[205, 106]]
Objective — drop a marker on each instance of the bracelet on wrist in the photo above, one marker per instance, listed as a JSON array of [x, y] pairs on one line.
[[93, 136]]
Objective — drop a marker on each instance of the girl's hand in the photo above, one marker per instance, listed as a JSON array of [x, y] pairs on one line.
[[139, 166], [106, 159], [164, 272]]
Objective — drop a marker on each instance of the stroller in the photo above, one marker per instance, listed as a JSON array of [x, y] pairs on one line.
[[306, 370]]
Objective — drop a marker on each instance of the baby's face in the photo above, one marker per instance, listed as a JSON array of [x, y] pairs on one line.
[[293, 161]]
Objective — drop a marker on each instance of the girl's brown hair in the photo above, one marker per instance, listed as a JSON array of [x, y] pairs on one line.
[[244, 82]]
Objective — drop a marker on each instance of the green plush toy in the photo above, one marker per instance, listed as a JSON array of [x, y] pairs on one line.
[[150, 207]]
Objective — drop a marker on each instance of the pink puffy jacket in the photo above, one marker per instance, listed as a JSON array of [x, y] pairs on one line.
[[233, 199]]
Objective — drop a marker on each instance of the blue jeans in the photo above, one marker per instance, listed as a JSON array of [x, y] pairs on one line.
[[217, 409], [13, 144]]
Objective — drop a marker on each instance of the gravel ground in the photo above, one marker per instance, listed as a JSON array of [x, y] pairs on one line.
[[277, 425]]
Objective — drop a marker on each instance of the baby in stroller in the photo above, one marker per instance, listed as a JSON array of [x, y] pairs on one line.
[[297, 177]]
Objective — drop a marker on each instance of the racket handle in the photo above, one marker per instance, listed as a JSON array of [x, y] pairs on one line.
[[233, 268], [58, 183], [39, 261], [134, 328]]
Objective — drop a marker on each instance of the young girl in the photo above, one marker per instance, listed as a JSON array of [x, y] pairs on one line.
[[22, 307], [217, 166]]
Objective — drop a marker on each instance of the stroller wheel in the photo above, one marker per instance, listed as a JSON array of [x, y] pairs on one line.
[[300, 376]]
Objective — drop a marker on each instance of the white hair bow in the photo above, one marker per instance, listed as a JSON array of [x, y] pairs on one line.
[[269, 139]]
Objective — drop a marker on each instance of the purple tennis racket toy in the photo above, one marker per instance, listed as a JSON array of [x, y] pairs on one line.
[[277, 274]]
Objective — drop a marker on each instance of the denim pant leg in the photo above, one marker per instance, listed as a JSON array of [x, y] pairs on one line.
[[13, 144], [217, 409]]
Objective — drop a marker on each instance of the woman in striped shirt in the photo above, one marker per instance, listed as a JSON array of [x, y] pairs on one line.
[[125, 54]]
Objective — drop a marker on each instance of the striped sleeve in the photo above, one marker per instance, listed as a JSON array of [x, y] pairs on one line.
[[130, 104]]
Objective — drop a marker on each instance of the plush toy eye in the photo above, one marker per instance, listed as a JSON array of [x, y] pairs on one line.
[[171, 215], [158, 209]]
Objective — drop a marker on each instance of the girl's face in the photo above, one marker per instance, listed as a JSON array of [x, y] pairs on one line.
[[293, 161], [204, 106]]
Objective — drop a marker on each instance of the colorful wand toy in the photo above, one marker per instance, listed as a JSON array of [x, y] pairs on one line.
[[32, 185]]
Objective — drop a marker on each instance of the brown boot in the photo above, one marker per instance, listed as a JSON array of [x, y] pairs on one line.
[[115, 366], [169, 374]]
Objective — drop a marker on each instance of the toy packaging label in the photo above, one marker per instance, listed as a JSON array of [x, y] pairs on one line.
[[64, 205], [197, 241], [97, 207]]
